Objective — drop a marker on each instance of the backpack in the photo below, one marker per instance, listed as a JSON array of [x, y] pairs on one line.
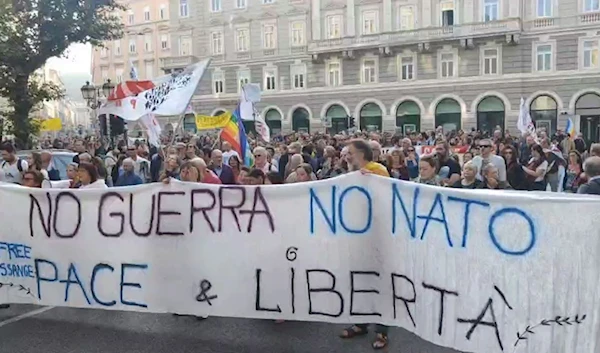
[[19, 164]]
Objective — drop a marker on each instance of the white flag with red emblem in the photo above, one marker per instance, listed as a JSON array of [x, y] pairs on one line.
[[167, 95], [153, 129]]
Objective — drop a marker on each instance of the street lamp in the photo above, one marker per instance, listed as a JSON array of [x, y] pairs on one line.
[[92, 95]]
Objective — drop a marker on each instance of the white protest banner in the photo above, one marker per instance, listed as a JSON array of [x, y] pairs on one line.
[[477, 271], [168, 95]]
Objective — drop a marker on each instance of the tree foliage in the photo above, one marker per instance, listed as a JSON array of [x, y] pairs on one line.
[[31, 32]]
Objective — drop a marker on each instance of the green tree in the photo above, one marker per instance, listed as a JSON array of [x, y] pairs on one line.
[[31, 32]]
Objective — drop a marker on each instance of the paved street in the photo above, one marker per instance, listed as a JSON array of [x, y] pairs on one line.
[[66, 330]]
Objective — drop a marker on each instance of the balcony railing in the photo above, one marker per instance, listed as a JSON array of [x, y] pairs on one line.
[[430, 34], [176, 62], [589, 19]]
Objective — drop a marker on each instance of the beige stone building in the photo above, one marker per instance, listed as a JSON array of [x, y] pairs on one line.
[[146, 40], [396, 64]]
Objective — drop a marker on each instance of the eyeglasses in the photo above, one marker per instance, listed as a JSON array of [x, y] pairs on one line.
[[411, 150]]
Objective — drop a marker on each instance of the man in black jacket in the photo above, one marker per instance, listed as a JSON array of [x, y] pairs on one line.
[[591, 167]]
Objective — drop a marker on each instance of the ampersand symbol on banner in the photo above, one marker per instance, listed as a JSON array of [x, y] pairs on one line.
[[205, 286]]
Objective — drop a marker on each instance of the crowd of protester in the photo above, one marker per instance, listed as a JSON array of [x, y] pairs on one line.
[[500, 161]]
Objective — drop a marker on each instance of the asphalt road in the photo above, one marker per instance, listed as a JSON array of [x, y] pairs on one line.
[[34, 329]]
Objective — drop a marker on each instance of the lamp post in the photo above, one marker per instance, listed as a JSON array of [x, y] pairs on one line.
[[93, 95]]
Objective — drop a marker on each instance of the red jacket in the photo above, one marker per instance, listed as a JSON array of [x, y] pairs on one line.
[[210, 177]]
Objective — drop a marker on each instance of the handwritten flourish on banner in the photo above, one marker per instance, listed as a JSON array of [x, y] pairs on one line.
[[477, 271]]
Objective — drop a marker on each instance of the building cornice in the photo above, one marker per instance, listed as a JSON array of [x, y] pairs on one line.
[[544, 80]]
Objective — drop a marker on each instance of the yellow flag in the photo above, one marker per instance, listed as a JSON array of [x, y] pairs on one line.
[[53, 124], [205, 122]]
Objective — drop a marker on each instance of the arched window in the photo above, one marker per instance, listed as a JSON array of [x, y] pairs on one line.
[[490, 115], [588, 108], [338, 117], [249, 126], [300, 120], [273, 119], [544, 114], [371, 117], [448, 115], [189, 123], [408, 117]]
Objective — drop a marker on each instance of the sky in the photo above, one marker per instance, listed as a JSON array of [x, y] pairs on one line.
[[77, 59]]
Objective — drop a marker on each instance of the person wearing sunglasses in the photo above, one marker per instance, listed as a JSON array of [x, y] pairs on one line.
[[487, 157]]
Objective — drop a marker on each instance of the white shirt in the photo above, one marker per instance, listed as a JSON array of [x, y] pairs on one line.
[[137, 168], [493, 159], [10, 172], [98, 184], [229, 154]]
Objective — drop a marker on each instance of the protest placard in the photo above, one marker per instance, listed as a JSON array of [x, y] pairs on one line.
[[477, 271]]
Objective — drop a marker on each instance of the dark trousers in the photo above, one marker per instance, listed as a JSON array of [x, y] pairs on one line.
[[378, 328]]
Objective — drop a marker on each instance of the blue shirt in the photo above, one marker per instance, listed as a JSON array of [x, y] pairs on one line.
[[128, 179]]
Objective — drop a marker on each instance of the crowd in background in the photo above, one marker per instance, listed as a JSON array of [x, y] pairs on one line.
[[500, 161]]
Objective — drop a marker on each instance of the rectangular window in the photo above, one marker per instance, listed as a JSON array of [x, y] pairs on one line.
[[148, 42], [164, 42], [147, 14], [369, 70], [240, 4], [242, 39], [270, 80], [490, 61], [544, 57], [185, 46], [447, 8], [447, 65], [490, 10], [298, 73], [334, 27], [183, 8], [269, 36], [590, 54], [130, 17], [117, 46], [369, 19], [119, 74], [218, 82], [217, 43], [298, 33], [132, 48], [544, 8], [334, 74], [215, 5], [149, 70], [104, 74], [406, 18], [243, 78], [407, 67], [162, 12], [591, 5], [103, 52]]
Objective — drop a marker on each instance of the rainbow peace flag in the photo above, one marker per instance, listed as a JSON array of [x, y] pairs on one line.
[[570, 128], [234, 133]]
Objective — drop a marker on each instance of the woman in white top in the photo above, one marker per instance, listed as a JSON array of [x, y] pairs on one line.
[[536, 169], [34, 160], [88, 177]]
